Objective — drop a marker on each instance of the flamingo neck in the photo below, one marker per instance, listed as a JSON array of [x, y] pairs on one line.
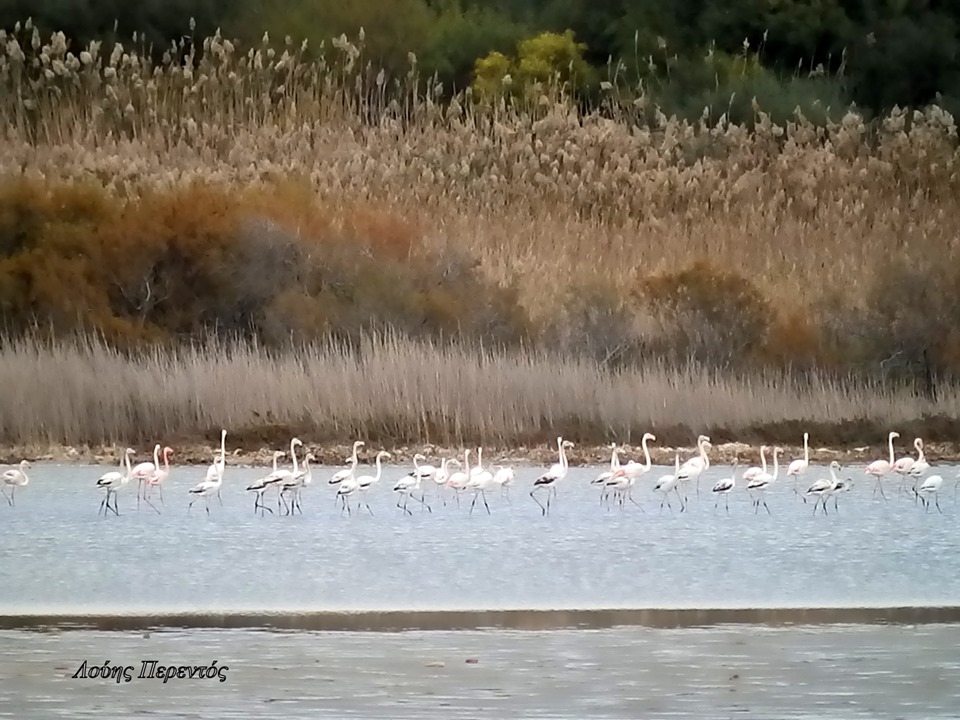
[[776, 466], [379, 469], [763, 457], [126, 461], [156, 457], [223, 448], [890, 441], [293, 454], [166, 461], [806, 450], [275, 463], [646, 452]]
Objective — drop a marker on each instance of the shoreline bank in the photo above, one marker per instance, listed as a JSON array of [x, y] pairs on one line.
[[336, 454]]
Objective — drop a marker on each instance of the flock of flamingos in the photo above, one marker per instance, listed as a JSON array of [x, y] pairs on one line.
[[453, 476]]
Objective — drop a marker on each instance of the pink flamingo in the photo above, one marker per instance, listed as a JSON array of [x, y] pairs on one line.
[[159, 476], [145, 470], [879, 468]]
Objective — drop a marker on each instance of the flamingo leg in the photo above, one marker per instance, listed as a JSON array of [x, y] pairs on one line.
[[366, 504], [13, 496], [219, 498], [147, 500], [630, 497], [543, 510], [206, 503], [936, 499], [139, 491], [726, 500], [160, 488], [423, 502], [483, 494], [475, 496], [116, 510]]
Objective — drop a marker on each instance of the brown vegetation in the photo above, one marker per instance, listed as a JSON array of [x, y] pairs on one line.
[[290, 200]]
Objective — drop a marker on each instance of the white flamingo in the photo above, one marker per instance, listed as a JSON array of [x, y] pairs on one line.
[[606, 475], [725, 485], [696, 466], [823, 487], [284, 475], [364, 482], [144, 470], [407, 486], [503, 477], [881, 468], [341, 475], [904, 465], [931, 486], [666, 483], [480, 480], [551, 477], [204, 490], [113, 481], [296, 484], [626, 477], [423, 473], [442, 475], [919, 467], [219, 464], [797, 468], [17, 477], [764, 481], [260, 485], [158, 477], [752, 473], [840, 486]]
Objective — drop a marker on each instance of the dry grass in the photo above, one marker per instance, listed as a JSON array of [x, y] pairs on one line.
[[537, 189], [549, 198], [397, 391]]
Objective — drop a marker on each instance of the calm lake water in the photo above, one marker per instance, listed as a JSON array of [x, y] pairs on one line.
[[834, 671], [57, 555]]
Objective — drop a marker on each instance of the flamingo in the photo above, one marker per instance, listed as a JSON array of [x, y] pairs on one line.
[[919, 467], [442, 475], [696, 466], [17, 477], [144, 470], [823, 487], [931, 486], [363, 482], [406, 486], [458, 480], [260, 485], [752, 473], [725, 485], [479, 481], [606, 475], [204, 490], [295, 485], [666, 483], [549, 479], [114, 480], [285, 476], [904, 465], [504, 478], [762, 482], [217, 467], [797, 468], [880, 468], [158, 477], [342, 475], [838, 487], [422, 473], [626, 477]]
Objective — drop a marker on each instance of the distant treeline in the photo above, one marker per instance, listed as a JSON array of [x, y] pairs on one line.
[[682, 54]]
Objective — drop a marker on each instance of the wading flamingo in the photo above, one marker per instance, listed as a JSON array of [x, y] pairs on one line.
[[260, 485], [17, 477], [696, 466], [113, 481], [797, 468], [881, 468], [551, 477]]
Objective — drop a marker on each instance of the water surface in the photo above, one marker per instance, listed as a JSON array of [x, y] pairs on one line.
[[57, 555]]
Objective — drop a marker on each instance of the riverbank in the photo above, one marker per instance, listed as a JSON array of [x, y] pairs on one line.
[[335, 454]]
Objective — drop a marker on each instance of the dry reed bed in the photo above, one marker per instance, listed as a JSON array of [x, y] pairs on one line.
[[394, 392], [533, 187]]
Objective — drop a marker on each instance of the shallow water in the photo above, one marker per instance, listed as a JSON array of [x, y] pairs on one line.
[[58, 555], [838, 671]]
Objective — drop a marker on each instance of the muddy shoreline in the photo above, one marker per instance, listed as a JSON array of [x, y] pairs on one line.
[[335, 454]]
